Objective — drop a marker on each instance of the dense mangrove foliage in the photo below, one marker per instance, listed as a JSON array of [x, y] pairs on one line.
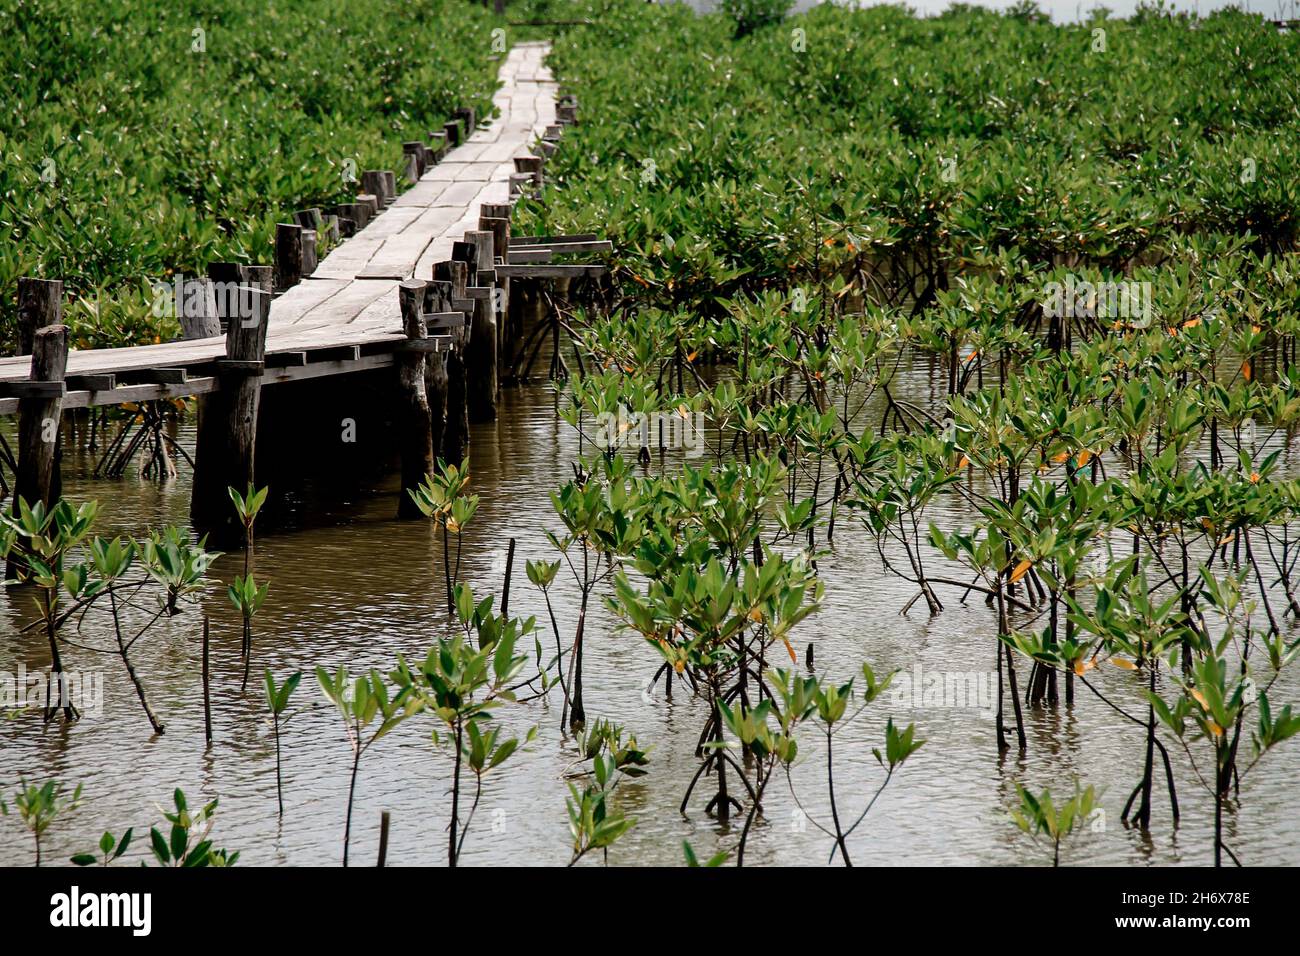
[[1088, 232], [142, 142]]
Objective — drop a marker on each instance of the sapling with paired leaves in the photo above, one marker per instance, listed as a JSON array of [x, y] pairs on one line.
[[361, 704], [594, 824], [47, 540], [277, 701], [111, 849], [38, 807], [461, 680], [441, 497], [187, 844], [1217, 694], [1038, 815], [245, 594]]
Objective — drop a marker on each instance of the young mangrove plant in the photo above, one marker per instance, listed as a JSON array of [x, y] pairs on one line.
[[38, 807], [593, 823], [47, 543], [1038, 816], [188, 841], [1217, 695], [277, 701], [828, 705], [361, 704], [460, 682], [245, 594], [111, 848], [441, 498]]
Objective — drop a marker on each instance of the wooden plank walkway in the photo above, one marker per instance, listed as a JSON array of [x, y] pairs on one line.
[[352, 297]]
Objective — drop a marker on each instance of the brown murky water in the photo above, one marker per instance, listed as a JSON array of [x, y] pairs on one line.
[[353, 586]]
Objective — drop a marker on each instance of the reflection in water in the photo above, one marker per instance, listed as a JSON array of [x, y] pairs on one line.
[[352, 586]]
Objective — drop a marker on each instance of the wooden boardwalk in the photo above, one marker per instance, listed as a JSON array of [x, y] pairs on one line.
[[345, 316]]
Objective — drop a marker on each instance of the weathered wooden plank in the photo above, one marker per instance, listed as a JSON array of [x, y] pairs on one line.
[[544, 271]]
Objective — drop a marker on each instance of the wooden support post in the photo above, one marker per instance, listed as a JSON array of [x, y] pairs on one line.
[[495, 217], [414, 151], [466, 115], [38, 419], [372, 183], [437, 144], [531, 165], [232, 285], [455, 436], [310, 260], [227, 429], [369, 205], [309, 219], [437, 298], [481, 352], [452, 130], [198, 312], [415, 421], [40, 303], [288, 256], [390, 187], [348, 216]]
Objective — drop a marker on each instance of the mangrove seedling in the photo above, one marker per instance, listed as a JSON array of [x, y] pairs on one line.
[[247, 597], [692, 860], [110, 848], [41, 540], [440, 497], [361, 703], [460, 684], [593, 823], [38, 807], [277, 700], [244, 593], [188, 843], [830, 707], [1038, 815]]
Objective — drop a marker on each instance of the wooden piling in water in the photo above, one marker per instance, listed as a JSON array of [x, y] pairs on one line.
[[227, 427], [437, 298], [481, 350], [207, 697], [384, 819], [495, 218], [455, 436], [39, 410], [415, 420], [40, 306]]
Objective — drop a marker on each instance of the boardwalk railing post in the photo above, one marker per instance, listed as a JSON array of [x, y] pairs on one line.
[[38, 418], [227, 430], [372, 183], [467, 117], [481, 352], [40, 303], [455, 436], [309, 257], [495, 218], [40, 306], [437, 298], [288, 256], [203, 322], [413, 152], [415, 421]]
